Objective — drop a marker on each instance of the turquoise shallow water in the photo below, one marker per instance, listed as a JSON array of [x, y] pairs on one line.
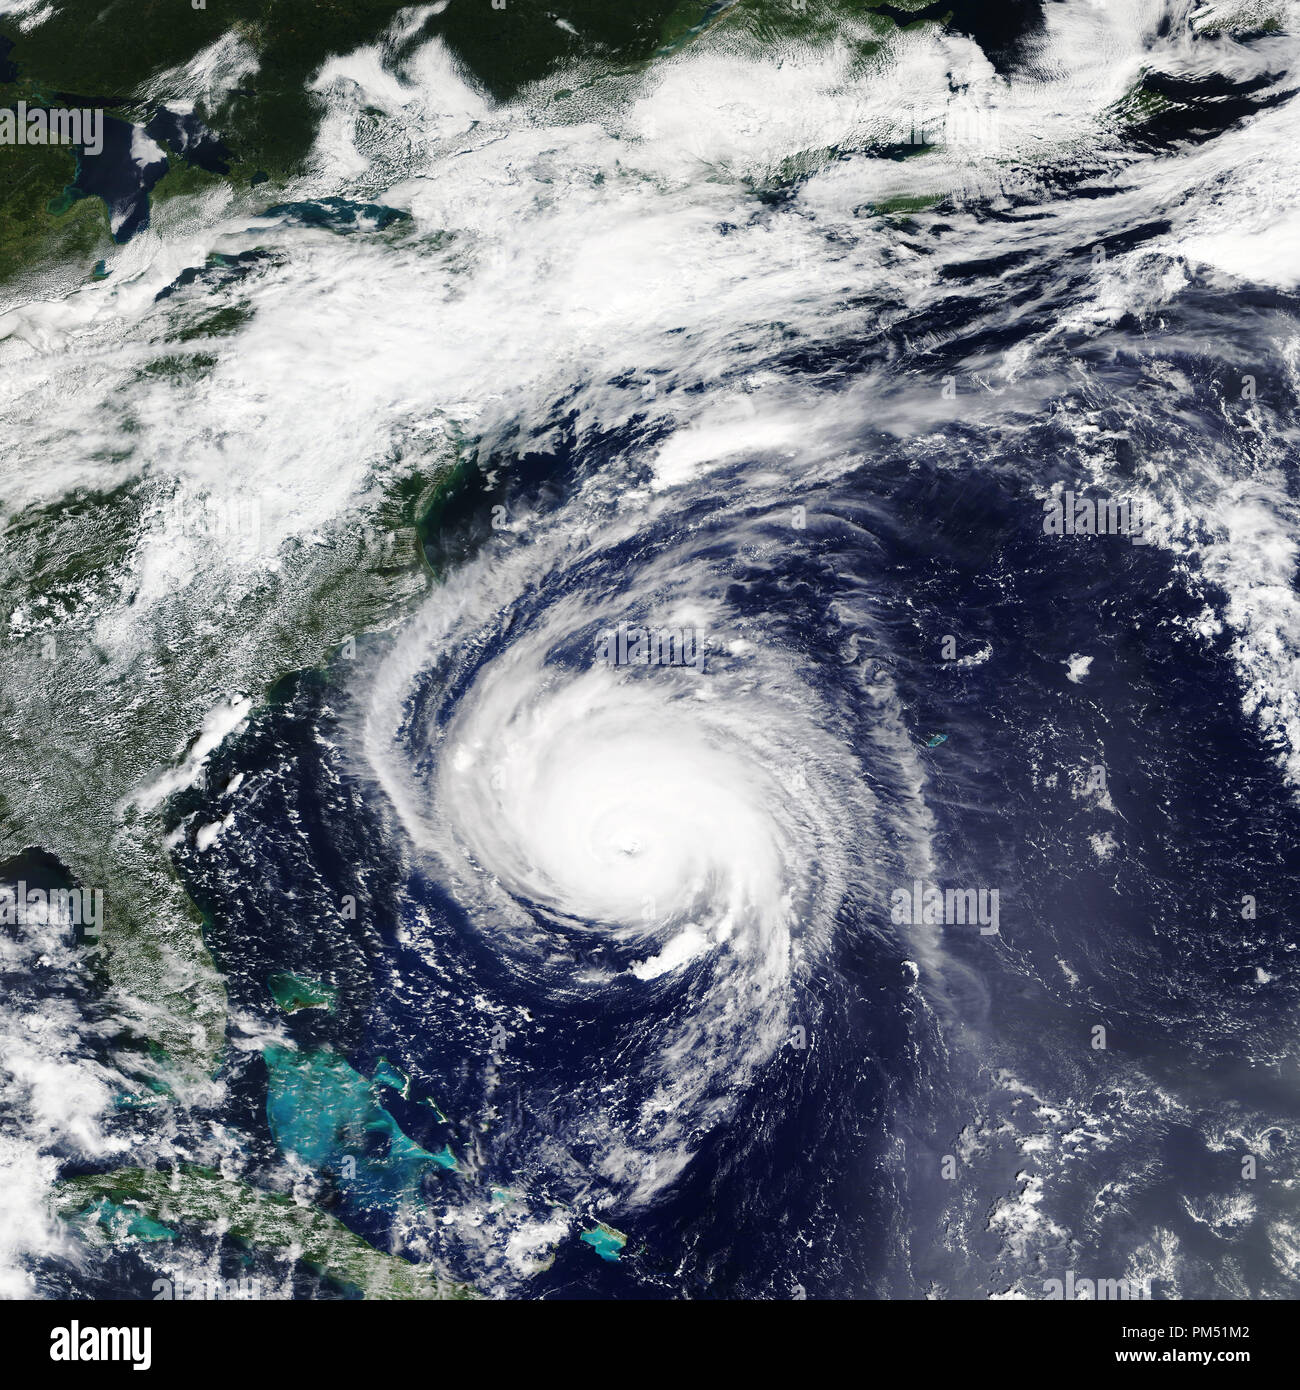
[[567, 969]]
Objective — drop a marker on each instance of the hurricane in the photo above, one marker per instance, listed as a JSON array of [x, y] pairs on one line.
[[673, 642]]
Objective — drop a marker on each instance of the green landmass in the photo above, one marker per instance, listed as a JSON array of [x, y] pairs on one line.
[[199, 1197], [294, 993]]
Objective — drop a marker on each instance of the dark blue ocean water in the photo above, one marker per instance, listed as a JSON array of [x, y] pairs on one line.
[[844, 1167], [827, 1179]]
